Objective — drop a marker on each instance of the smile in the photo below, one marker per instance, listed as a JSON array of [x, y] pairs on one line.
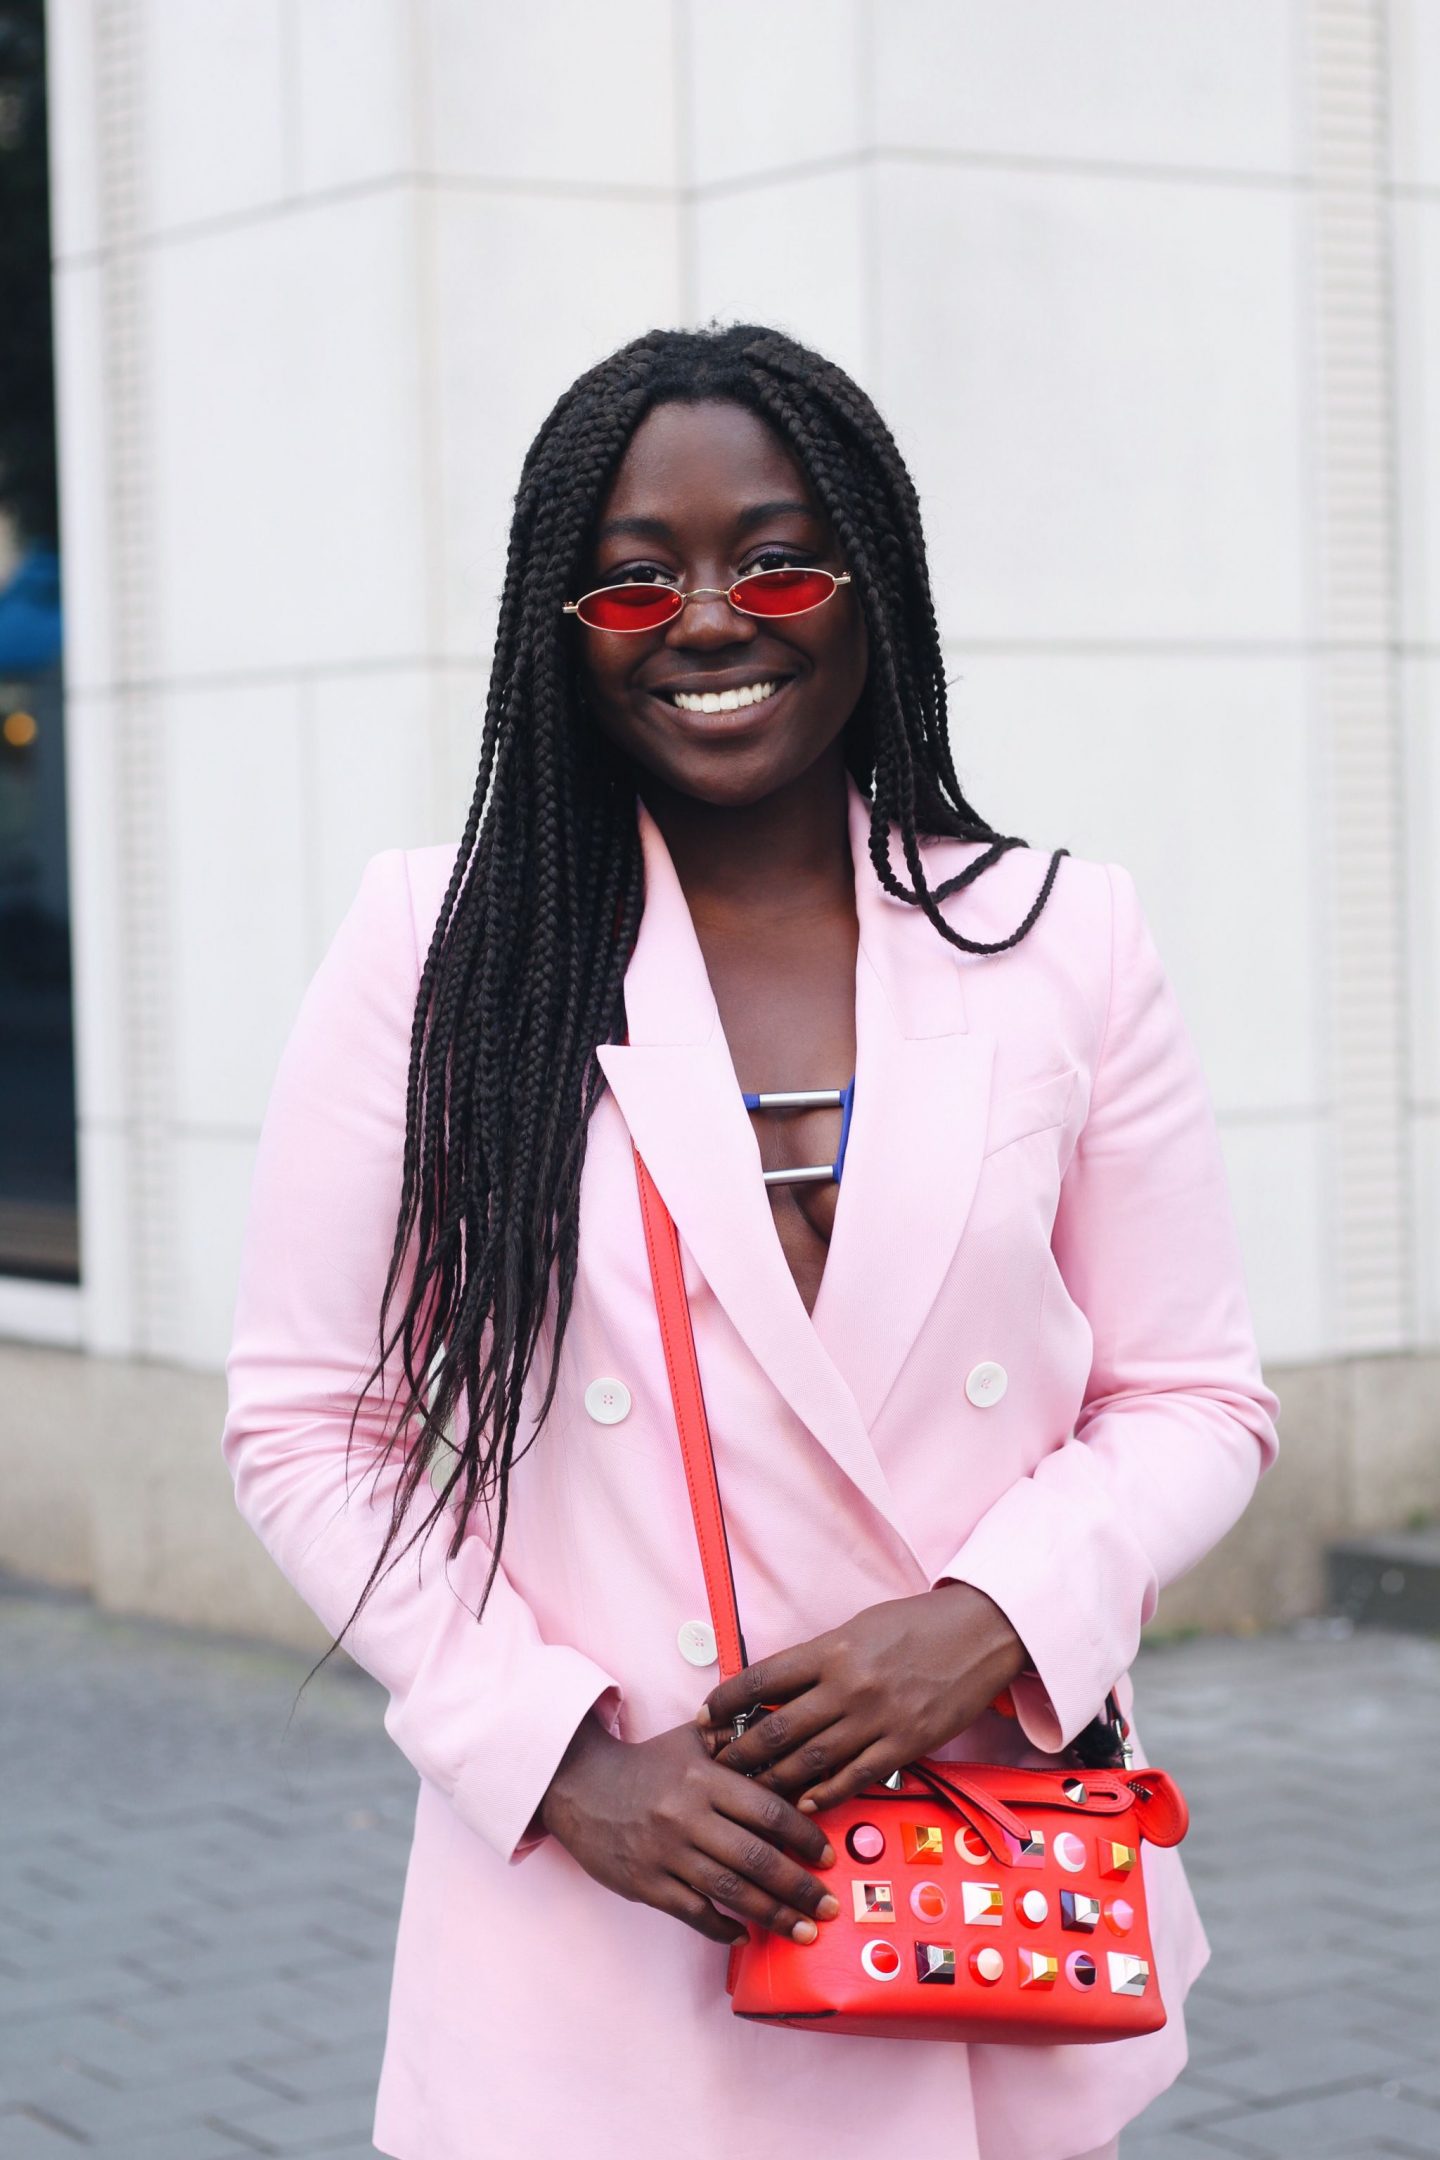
[[726, 701]]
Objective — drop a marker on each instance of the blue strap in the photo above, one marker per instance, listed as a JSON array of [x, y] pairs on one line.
[[845, 1127]]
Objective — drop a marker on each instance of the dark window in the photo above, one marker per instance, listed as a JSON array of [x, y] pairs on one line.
[[38, 1224]]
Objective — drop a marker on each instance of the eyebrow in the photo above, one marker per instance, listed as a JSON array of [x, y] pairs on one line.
[[649, 528]]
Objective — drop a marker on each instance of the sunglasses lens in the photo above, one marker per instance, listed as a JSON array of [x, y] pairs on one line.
[[629, 607], [784, 592]]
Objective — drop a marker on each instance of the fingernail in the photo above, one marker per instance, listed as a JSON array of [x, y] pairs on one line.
[[827, 1858], [828, 1907], [806, 1807], [804, 1931], [702, 1715]]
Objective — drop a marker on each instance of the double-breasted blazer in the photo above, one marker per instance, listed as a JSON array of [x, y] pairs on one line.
[[1031, 1367]]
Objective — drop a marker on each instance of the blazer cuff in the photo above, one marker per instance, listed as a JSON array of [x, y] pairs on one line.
[[504, 1781], [1022, 1554]]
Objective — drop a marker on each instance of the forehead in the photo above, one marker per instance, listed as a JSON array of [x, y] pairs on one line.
[[712, 457]]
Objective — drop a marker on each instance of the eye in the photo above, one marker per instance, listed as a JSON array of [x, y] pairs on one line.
[[638, 574], [778, 558]]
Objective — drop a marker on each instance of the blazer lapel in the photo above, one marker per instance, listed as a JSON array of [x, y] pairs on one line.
[[917, 1132], [911, 1165], [676, 1086]]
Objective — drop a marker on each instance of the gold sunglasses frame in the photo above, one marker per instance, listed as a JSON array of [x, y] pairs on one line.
[[700, 592]]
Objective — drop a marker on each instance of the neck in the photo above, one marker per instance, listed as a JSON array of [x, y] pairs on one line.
[[788, 853]]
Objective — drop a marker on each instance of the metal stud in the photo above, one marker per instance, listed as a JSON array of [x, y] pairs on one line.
[[1033, 1907], [1075, 1789], [1038, 1969], [895, 1780], [984, 1903], [922, 1841], [873, 1900], [1079, 1911], [1128, 1975], [935, 1961], [1116, 1860], [987, 1965], [881, 1960], [1120, 1914], [1069, 1851], [865, 1841]]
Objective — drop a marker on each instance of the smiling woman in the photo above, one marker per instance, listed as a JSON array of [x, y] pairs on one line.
[[720, 899]]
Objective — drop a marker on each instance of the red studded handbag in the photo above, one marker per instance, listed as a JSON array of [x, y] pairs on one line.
[[978, 1901]]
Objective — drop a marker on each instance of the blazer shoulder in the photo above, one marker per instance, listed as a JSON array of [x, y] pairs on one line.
[[1076, 911]]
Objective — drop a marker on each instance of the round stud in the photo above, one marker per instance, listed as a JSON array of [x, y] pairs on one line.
[[988, 1965], [928, 1901], [1120, 1914], [1033, 1907], [881, 1960], [971, 1846], [1080, 1969], [865, 1841], [1069, 1851]]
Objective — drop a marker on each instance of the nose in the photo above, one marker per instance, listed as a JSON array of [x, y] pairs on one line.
[[707, 620]]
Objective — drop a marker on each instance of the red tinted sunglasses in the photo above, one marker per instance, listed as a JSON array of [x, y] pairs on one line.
[[763, 592]]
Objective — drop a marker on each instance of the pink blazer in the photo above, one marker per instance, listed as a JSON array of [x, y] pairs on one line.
[[1031, 1367]]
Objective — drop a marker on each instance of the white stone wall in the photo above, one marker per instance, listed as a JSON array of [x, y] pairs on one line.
[[322, 266]]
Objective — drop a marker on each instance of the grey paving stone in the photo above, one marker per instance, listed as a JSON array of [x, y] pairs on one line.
[[239, 1884]]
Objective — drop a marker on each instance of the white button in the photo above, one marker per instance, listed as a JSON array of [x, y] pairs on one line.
[[697, 1642], [986, 1383], [607, 1401]]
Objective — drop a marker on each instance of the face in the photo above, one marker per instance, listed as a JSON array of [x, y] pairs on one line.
[[704, 494]]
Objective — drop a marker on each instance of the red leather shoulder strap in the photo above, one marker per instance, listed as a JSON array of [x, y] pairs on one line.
[[662, 1245]]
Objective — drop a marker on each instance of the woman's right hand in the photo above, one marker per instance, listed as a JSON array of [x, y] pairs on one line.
[[659, 1822]]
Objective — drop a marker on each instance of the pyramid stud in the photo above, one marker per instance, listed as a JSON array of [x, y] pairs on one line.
[[1116, 1860], [1028, 1851], [984, 1903], [1079, 1911], [922, 1841], [987, 1965], [935, 1961], [1074, 1789], [1038, 1969], [1128, 1974], [873, 1900]]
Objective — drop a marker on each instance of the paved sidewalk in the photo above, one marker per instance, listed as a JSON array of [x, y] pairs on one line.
[[197, 1906]]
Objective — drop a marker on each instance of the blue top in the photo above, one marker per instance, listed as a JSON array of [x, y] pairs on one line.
[[845, 1099]]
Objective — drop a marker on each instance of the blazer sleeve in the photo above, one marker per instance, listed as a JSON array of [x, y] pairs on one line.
[[1177, 1424], [483, 1710]]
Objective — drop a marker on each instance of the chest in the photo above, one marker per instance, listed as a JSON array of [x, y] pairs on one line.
[[786, 997]]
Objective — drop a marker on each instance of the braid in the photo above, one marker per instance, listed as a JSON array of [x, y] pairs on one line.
[[525, 970]]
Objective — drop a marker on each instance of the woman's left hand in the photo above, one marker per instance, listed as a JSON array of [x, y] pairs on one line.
[[895, 1682]]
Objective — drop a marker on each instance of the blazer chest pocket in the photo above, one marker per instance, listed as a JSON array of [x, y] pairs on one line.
[[1029, 1109]]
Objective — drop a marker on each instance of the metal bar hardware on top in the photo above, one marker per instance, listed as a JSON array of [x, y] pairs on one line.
[[842, 1099]]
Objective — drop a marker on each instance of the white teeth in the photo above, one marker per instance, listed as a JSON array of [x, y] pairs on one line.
[[711, 701]]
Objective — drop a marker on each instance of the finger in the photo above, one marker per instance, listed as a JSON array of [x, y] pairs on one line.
[[774, 1679], [740, 1868], [778, 1733], [770, 1815], [686, 1904], [806, 1759], [867, 1768]]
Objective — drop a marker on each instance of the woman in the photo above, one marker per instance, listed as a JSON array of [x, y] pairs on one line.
[[974, 1400]]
